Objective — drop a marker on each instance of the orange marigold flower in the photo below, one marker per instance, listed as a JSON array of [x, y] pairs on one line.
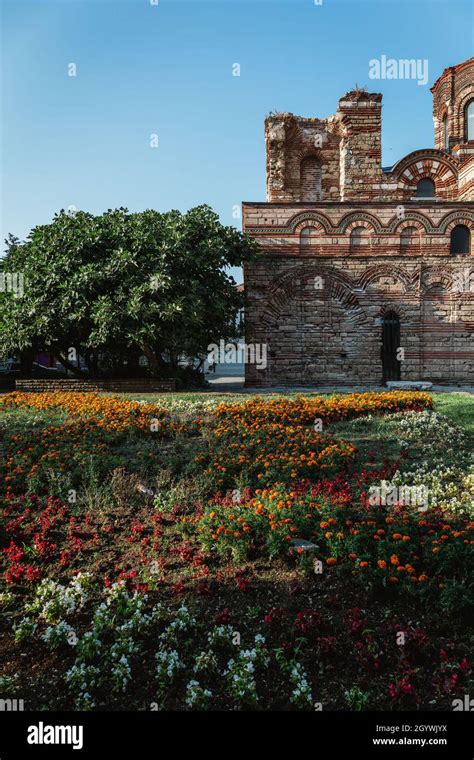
[[331, 561], [394, 559], [381, 563]]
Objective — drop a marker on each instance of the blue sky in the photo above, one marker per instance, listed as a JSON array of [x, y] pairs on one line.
[[166, 69]]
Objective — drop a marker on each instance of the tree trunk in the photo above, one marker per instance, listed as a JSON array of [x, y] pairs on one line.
[[68, 365], [26, 362], [87, 359], [152, 358], [95, 363]]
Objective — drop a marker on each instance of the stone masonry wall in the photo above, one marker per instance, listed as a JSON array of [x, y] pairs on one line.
[[144, 385], [319, 306], [451, 93]]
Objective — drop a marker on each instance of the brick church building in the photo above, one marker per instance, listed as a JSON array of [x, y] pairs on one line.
[[366, 273]]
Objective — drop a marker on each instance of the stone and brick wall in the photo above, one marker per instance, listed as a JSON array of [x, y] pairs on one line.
[[451, 94], [332, 268], [95, 386]]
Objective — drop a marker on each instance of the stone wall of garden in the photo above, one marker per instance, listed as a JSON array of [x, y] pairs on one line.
[[73, 385]]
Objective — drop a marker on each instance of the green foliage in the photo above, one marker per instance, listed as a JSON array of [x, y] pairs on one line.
[[124, 284]]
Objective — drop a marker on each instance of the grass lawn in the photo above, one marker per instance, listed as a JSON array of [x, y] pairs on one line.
[[459, 407], [222, 551]]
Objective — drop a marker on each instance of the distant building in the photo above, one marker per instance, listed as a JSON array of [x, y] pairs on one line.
[[368, 272]]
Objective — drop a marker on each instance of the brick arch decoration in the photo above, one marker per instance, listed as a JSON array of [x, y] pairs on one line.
[[307, 218], [386, 270], [413, 242], [295, 153], [358, 223], [426, 154], [339, 288], [357, 246], [396, 307], [444, 178], [300, 154], [311, 241], [454, 218], [411, 219], [299, 146], [314, 223], [466, 94], [302, 218], [442, 115], [432, 277], [444, 112], [359, 219]]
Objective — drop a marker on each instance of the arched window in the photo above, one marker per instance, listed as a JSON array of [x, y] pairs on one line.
[[310, 180], [469, 121], [308, 237], [409, 240], [425, 188], [460, 240], [357, 238], [445, 132]]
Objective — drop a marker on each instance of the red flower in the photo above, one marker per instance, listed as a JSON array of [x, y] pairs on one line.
[[33, 574], [222, 617]]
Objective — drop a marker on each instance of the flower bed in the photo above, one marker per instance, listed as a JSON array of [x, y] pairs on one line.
[[261, 575], [304, 410]]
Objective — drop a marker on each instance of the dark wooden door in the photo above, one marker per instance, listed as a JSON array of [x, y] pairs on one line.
[[390, 346]]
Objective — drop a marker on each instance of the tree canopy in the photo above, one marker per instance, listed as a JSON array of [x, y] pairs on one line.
[[123, 283]]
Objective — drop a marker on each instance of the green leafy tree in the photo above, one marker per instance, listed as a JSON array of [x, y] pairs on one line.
[[122, 284]]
